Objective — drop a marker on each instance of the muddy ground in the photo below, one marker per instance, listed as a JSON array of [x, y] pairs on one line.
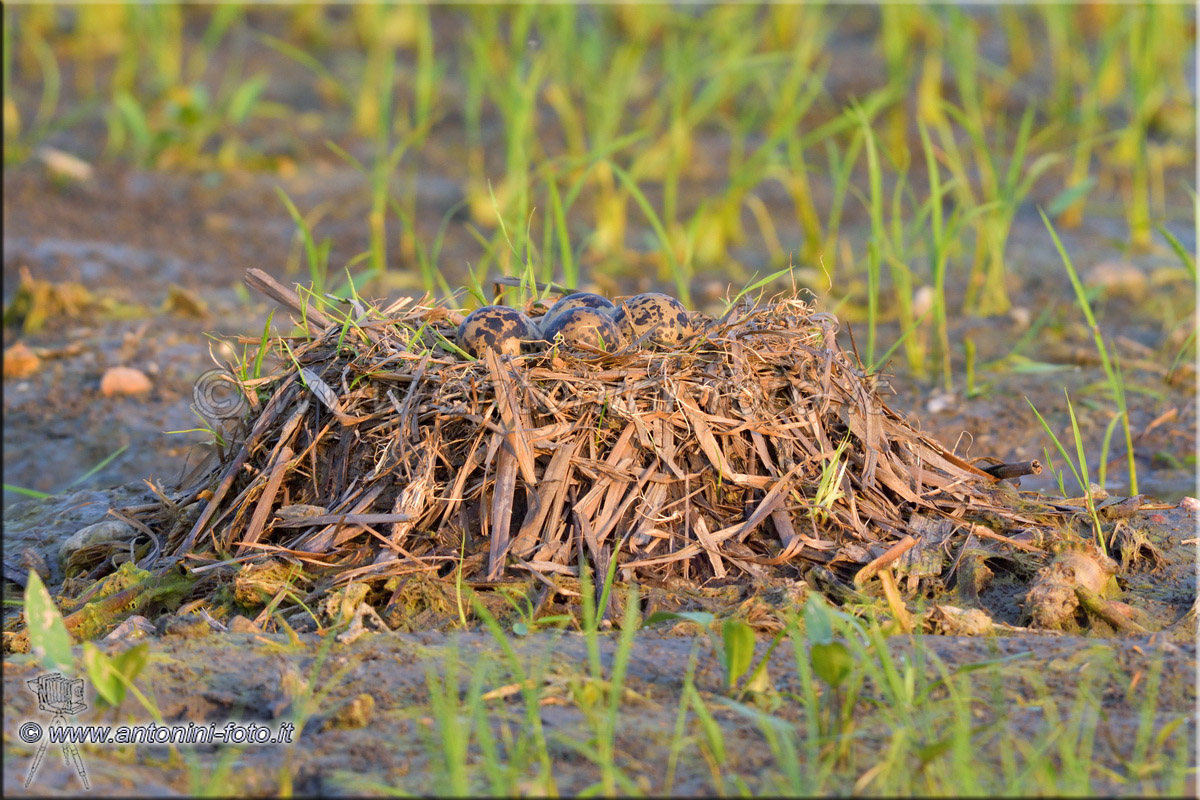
[[264, 679]]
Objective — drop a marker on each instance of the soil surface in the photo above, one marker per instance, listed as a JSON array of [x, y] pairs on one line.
[[262, 679]]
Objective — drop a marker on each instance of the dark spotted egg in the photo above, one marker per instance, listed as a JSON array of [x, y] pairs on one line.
[[585, 326], [657, 312], [576, 300], [498, 328]]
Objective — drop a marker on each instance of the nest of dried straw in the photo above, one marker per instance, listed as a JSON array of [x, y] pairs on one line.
[[760, 444]]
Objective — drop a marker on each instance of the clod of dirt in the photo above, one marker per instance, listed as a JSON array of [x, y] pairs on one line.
[[240, 624], [105, 532], [1133, 545], [37, 301], [20, 361], [187, 626], [132, 629], [1052, 600], [1117, 278], [124, 381], [1123, 617], [16, 642], [417, 600], [354, 713], [184, 303], [955, 621], [33, 561], [974, 575], [342, 605]]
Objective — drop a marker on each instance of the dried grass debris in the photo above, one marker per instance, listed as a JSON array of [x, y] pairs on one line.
[[757, 446]]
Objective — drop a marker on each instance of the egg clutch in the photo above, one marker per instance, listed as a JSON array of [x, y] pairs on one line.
[[580, 321]]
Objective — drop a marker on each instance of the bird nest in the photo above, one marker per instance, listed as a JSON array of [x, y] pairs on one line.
[[758, 446]]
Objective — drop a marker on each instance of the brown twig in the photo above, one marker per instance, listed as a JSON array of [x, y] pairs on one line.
[[891, 554], [1016, 470]]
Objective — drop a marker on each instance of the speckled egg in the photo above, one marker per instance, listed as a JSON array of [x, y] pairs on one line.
[[666, 316], [498, 328], [586, 326], [576, 300]]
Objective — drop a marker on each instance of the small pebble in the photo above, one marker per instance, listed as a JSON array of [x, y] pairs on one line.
[[922, 301], [61, 164], [240, 624], [132, 629], [20, 361], [939, 402], [108, 530], [124, 381], [32, 560], [1189, 504]]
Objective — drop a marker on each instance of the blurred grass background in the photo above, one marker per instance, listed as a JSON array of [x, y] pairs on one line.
[[884, 151]]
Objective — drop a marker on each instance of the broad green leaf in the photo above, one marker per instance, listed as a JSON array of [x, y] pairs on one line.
[[831, 662], [1067, 197], [942, 746], [243, 100], [818, 624], [48, 637], [135, 121], [739, 650], [102, 675], [709, 725]]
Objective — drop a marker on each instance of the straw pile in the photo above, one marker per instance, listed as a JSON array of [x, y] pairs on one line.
[[378, 451]]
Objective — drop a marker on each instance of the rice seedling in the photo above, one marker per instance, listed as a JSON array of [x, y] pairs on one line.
[[1078, 466], [1112, 374], [878, 239], [829, 490], [1149, 33], [1188, 346], [530, 749], [82, 478], [680, 272], [598, 697], [18, 146], [451, 734], [1070, 204], [316, 255]]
